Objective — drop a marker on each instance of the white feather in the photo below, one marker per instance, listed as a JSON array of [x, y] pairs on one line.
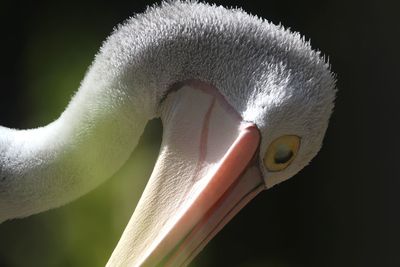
[[270, 75]]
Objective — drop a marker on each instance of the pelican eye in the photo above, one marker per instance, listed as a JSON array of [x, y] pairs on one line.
[[281, 152]]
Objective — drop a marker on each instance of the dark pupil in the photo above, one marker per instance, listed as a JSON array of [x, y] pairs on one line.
[[283, 156]]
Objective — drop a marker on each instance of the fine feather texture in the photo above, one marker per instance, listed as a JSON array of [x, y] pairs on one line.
[[271, 76]]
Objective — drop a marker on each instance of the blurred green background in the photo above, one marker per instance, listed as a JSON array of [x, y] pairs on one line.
[[342, 210]]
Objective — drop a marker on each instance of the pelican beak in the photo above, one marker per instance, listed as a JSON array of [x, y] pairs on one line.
[[206, 172]]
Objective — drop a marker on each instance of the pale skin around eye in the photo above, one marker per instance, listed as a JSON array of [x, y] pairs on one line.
[[281, 152]]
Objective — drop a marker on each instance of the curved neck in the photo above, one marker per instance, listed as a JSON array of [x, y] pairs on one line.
[[49, 166], [46, 167]]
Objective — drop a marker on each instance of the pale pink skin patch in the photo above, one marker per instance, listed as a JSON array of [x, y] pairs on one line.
[[207, 156], [234, 198]]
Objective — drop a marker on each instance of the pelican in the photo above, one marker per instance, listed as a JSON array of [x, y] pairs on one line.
[[244, 106]]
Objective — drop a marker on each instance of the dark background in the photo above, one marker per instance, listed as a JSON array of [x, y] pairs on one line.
[[342, 210]]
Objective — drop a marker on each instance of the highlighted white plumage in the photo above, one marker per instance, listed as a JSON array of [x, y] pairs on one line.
[[269, 76]]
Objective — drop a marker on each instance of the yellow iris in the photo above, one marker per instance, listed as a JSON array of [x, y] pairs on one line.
[[281, 152]]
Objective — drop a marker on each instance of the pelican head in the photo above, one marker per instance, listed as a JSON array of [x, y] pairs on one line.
[[244, 105]]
